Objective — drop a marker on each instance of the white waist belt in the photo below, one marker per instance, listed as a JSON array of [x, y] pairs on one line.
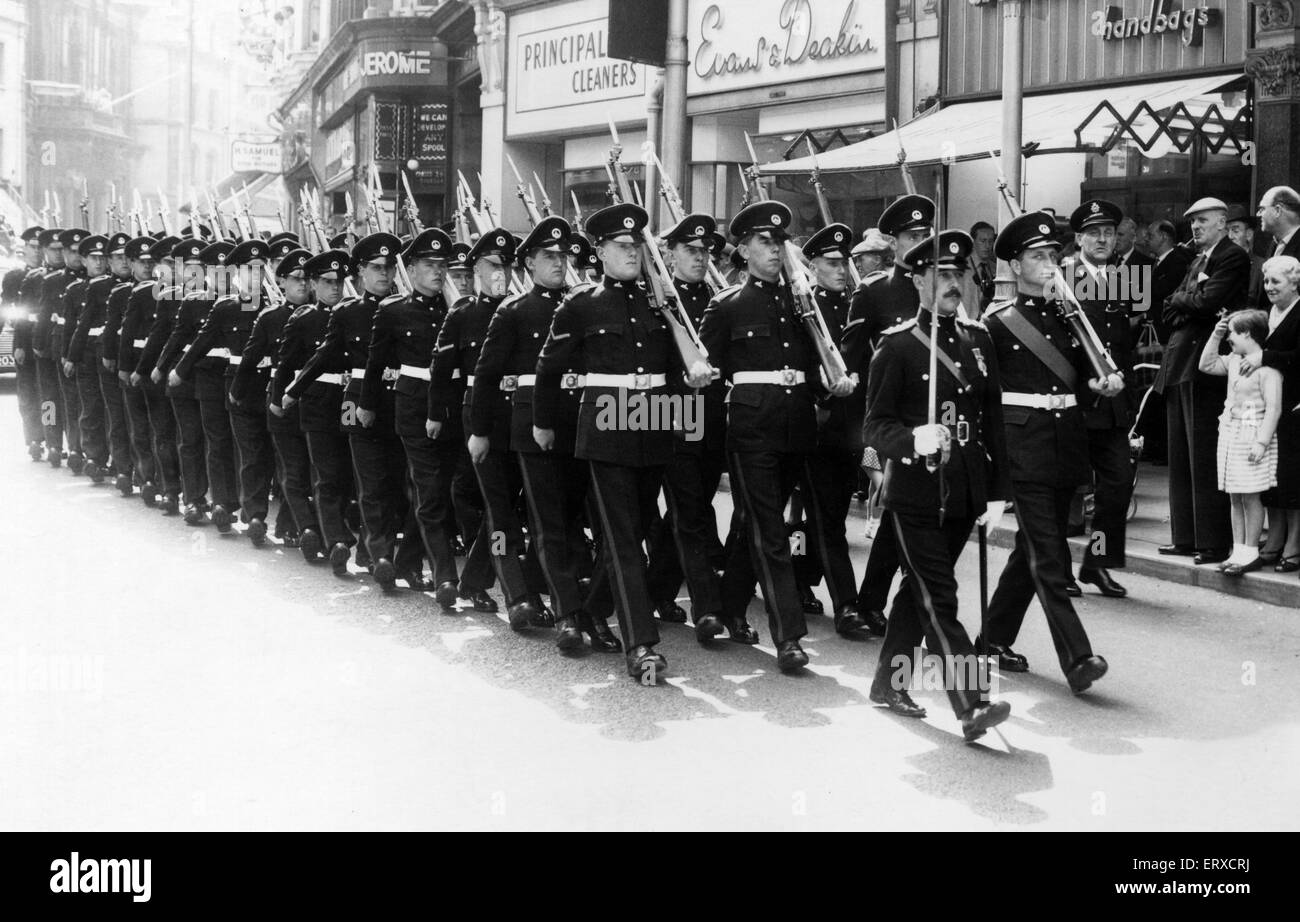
[[415, 371], [469, 379], [95, 331], [643, 382], [786, 377], [514, 382], [33, 317], [390, 374], [332, 377], [1040, 401], [138, 343], [571, 380], [455, 373], [56, 319], [264, 363], [219, 353]]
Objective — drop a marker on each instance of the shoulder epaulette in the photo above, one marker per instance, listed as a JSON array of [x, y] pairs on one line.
[[900, 328], [872, 278], [997, 306], [971, 322], [140, 286], [512, 299], [34, 273], [579, 289], [393, 299], [727, 292]]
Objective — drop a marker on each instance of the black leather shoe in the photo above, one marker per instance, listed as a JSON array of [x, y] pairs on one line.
[[900, 702], [848, 623], [1084, 672], [447, 595], [645, 665], [521, 615], [310, 544], [567, 635], [1287, 565], [1072, 588], [339, 555], [977, 721], [790, 656], [481, 601], [672, 613], [1101, 578], [94, 471], [877, 623], [123, 484], [149, 493], [76, 463], [55, 457], [221, 518], [416, 581], [542, 615], [193, 515], [1212, 555], [707, 627], [385, 574], [1241, 569], [740, 631], [1008, 660], [811, 604], [34, 451], [171, 505], [257, 532], [1176, 550], [363, 557], [598, 633]]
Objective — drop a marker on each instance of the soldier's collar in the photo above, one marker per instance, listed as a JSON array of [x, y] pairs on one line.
[[553, 294], [616, 283]]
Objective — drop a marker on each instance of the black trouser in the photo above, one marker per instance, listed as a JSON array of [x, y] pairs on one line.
[[380, 466], [467, 502], [331, 484], [762, 481], [626, 500], [1112, 471], [294, 470], [29, 399], [71, 408], [687, 543], [163, 426], [1199, 513], [556, 487], [137, 415], [119, 426], [219, 442], [91, 424], [48, 374], [432, 465], [256, 461], [882, 564], [190, 450], [830, 479], [926, 606], [1039, 565], [499, 532]]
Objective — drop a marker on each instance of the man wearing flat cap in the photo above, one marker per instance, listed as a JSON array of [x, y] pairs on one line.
[[20, 316], [934, 510], [1215, 284]]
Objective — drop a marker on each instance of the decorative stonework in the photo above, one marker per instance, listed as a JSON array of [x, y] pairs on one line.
[[1274, 70], [490, 29], [1272, 15]]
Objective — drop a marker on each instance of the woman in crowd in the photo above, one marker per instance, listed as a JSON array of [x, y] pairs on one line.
[[1282, 286]]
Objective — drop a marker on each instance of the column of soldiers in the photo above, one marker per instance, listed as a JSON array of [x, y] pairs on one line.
[[469, 413]]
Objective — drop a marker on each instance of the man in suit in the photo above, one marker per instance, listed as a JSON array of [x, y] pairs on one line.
[[1279, 216], [1215, 283], [984, 265], [1169, 266], [1241, 231]]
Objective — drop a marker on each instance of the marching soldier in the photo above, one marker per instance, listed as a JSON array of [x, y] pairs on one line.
[[136, 305], [65, 309], [1042, 369], [132, 447], [319, 405], [757, 341], [20, 315], [933, 511], [49, 290], [81, 364]]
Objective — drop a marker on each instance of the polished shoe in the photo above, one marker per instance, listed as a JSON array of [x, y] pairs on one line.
[[222, 519], [34, 451], [708, 627], [1212, 555], [521, 615], [55, 457], [480, 601], [94, 471], [1101, 578], [1084, 672], [672, 613], [256, 532], [76, 463], [171, 505], [292, 539], [740, 631], [447, 595], [848, 623], [567, 635], [193, 515], [150, 493], [790, 656], [1241, 569], [979, 719], [542, 614], [123, 484], [811, 604], [877, 623], [385, 574], [1176, 550], [1287, 564], [339, 555], [1072, 588], [602, 639], [310, 544], [1270, 558], [364, 561], [1008, 660], [645, 665], [416, 582], [900, 702]]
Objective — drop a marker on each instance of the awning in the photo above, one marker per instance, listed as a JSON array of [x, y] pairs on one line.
[[970, 130]]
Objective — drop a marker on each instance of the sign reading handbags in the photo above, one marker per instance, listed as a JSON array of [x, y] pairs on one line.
[[736, 44], [1163, 17]]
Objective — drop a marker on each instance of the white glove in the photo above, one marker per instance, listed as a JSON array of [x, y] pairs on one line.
[[928, 440], [992, 516]]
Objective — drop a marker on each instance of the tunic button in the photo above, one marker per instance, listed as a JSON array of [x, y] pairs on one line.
[[473, 344], [925, 377], [1014, 346], [957, 364], [1058, 415], [640, 369], [750, 333], [634, 320], [602, 331], [638, 345], [535, 335], [787, 345]]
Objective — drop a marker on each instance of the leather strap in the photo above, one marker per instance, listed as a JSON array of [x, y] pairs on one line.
[[1037, 343], [944, 357]]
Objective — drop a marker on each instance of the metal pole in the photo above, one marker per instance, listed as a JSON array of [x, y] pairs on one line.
[[673, 149], [653, 120], [1013, 55], [186, 174]]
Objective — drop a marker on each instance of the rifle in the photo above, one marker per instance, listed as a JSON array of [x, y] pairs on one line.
[[219, 228], [309, 220], [747, 195], [934, 462], [85, 203], [525, 196], [908, 183], [114, 216], [577, 209], [163, 208], [148, 206], [450, 294], [248, 213], [137, 213], [45, 210], [350, 217], [483, 224], [487, 205], [542, 198], [824, 206], [677, 211], [1004, 189], [58, 210]]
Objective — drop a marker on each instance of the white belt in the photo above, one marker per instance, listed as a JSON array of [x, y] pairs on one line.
[[332, 377], [415, 371], [33, 317], [219, 353], [138, 343], [571, 380], [786, 377], [643, 382], [95, 331], [55, 318], [390, 374], [469, 380], [514, 382], [455, 373], [264, 363], [1040, 401]]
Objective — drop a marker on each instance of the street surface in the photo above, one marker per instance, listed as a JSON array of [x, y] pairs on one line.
[[155, 676]]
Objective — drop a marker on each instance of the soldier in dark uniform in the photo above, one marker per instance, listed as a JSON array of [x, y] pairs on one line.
[[460, 341], [134, 305], [1108, 419], [20, 316], [687, 544], [757, 340], [1043, 371], [132, 452], [205, 365], [176, 324], [49, 289], [64, 308], [319, 404], [81, 364], [626, 350], [405, 330], [933, 510], [882, 304], [165, 298]]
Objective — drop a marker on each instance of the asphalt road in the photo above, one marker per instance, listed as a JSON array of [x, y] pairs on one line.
[[155, 676]]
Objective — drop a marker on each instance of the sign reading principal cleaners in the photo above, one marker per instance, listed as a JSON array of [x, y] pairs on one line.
[[735, 44], [560, 76], [1162, 18]]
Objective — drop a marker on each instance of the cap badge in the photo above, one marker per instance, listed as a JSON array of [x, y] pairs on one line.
[[1044, 229], [629, 223], [1095, 208], [954, 248], [699, 230], [501, 241], [776, 220], [555, 233], [916, 215], [383, 251], [334, 265], [839, 237]]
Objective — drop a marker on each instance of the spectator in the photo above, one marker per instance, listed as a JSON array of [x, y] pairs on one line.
[[874, 254], [986, 267], [1167, 274], [1279, 216], [1215, 283], [1282, 287], [1241, 231], [1247, 456], [1127, 251]]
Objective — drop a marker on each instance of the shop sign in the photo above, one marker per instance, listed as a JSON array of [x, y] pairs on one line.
[[1163, 17]]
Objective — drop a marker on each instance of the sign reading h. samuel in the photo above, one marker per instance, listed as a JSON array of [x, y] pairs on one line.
[[254, 157], [734, 44]]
